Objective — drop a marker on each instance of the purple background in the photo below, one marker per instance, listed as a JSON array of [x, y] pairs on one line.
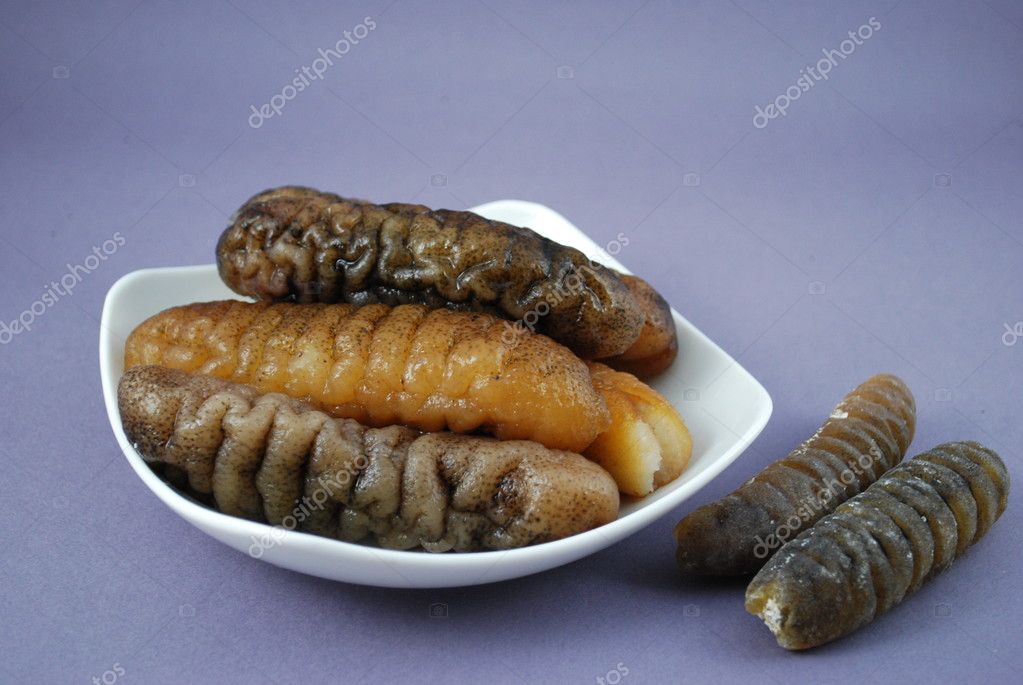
[[874, 227]]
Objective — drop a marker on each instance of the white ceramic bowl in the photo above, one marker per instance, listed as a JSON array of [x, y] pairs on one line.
[[723, 405]]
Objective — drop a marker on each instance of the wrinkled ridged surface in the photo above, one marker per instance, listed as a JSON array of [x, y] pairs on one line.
[[880, 546], [271, 458], [431, 369], [300, 244], [866, 434]]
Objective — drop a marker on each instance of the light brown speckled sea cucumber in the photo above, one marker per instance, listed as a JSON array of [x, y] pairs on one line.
[[272, 458]]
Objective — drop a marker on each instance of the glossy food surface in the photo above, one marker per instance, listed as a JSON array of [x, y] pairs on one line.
[[431, 369], [657, 345], [880, 546], [648, 444], [865, 435], [300, 244]]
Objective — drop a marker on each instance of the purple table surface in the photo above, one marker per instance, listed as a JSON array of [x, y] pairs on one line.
[[866, 219]]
